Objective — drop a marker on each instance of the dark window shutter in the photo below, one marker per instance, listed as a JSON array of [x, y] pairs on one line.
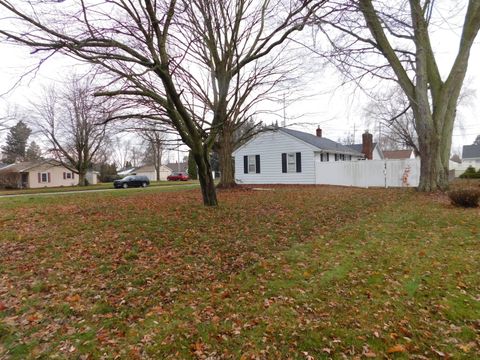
[[245, 164], [321, 157], [73, 175], [39, 177], [328, 157], [299, 162], [336, 157], [257, 164], [48, 177], [284, 162], [64, 175]]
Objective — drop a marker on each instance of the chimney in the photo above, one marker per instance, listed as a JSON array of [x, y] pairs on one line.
[[319, 132], [367, 145]]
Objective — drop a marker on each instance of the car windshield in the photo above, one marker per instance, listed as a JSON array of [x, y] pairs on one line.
[[128, 178]]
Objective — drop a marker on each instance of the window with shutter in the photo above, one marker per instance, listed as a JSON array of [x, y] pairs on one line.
[[252, 167]]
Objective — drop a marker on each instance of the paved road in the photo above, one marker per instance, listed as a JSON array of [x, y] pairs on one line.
[[96, 190]]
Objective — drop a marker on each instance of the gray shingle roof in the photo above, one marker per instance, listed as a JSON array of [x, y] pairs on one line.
[[321, 142], [358, 147], [471, 151]]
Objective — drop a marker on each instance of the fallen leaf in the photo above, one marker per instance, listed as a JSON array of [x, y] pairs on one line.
[[396, 349], [73, 298]]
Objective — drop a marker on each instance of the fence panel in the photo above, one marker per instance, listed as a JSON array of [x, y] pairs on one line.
[[368, 173]]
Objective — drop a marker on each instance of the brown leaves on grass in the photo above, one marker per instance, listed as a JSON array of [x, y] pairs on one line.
[[122, 275]]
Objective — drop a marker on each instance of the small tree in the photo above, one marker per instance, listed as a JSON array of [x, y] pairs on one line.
[[192, 167], [75, 124], [15, 148], [33, 152]]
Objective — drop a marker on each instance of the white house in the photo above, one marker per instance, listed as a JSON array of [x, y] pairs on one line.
[[286, 156], [37, 174], [471, 156], [150, 172]]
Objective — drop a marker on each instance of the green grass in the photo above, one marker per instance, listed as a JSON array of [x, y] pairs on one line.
[[300, 271], [100, 186]]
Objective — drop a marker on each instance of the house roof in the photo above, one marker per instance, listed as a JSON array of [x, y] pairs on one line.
[[27, 165], [149, 168], [471, 151], [321, 142], [182, 167], [358, 147], [397, 154]]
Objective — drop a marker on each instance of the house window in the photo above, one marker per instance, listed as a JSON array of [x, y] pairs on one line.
[[44, 177], [291, 163], [251, 164], [325, 157], [68, 175]]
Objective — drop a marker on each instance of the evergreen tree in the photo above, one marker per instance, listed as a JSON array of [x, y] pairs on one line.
[[33, 152], [16, 144], [192, 167]]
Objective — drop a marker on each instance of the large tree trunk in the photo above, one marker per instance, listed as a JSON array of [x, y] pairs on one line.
[[82, 179], [225, 150], [434, 147], [207, 184]]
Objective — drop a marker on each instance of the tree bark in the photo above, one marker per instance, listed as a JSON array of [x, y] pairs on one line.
[[82, 179], [207, 183], [225, 150]]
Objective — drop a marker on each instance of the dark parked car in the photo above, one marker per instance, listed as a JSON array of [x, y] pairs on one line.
[[178, 176], [132, 181]]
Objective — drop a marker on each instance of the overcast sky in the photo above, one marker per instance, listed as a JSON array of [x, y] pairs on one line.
[[338, 110]]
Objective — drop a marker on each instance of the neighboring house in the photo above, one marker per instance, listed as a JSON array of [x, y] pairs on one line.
[[2, 165], [37, 174], [92, 177], [376, 152], [126, 172], [399, 154], [150, 172], [178, 167], [286, 156], [471, 156]]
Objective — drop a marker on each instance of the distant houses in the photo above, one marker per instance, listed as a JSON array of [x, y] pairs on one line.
[[36, 174]]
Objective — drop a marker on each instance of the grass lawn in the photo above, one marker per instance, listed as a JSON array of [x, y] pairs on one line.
[[293, 273], [100, 186]]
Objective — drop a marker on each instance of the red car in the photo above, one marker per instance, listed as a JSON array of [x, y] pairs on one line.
[[178, 176]]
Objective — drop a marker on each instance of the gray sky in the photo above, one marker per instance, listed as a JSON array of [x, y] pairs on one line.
[[338, 110]]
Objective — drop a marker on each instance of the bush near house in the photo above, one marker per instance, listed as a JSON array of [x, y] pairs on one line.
[[465, 197], [471, 173]]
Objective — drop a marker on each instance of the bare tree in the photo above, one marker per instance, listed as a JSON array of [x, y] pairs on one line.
[[391, 40], [154, 138], [392, 115], [75, 124], [145, 49]]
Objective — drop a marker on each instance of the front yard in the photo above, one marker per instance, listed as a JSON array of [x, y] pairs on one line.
[[296, 272]]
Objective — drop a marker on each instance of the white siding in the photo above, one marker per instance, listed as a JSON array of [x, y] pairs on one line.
[[270, 146]]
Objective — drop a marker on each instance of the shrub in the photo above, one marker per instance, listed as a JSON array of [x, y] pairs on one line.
[[470, 173], [465, 197]]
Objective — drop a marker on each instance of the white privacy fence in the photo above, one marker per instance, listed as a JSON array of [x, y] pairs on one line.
[[366, 173]]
